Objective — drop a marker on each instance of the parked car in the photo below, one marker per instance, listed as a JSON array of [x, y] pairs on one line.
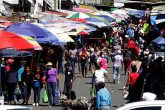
[[145, 105], [12, 107]]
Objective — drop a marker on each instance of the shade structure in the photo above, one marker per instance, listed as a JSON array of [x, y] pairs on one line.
[[79, 20], [78, 15], [33, 42], [11, 40], [120, 11], [92, 20], [51, 18], [84, 10], [160, 18], [159, 40], [15, 53], [98, 24], [61, 35], [28, 29], [108, 18]]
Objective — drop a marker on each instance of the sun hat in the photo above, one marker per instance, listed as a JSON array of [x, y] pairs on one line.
[[49, 64]]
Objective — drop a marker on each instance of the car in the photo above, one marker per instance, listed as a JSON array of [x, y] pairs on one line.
[[144, 105], [12, 107]]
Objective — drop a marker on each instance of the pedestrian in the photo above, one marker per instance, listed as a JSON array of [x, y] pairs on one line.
[[27, 77], [11, 83], [136, 62], [127, 58], [73, 57], [51, 79], [69, 79], [84, 55], [118, 64], [103, 98], [133, 76], [99, 75], [37, 85]]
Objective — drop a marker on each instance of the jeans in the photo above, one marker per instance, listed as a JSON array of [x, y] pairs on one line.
[[105, 108], [84, 67], [116, 73], [51, 86], [73, 61], [36, 91]]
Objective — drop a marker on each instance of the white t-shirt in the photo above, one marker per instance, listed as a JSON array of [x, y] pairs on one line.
[[73, 53], [147, 96], [99, 75], [118, 60]]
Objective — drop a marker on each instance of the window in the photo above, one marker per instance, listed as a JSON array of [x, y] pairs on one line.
[[147, 108]]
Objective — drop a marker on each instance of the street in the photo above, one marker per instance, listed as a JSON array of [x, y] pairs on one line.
[[82, 88]]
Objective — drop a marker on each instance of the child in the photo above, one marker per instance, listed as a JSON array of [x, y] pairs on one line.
[[69, 78]]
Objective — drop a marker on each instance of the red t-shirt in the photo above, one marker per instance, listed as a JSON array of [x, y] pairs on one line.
[[133, 77]]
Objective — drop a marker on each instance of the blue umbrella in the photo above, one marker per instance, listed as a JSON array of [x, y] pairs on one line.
[[93, 20], [159, 40], [108, 18], [28, 29]]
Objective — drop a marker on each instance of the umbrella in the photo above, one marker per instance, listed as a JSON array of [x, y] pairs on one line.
[[79, 20], [120, 12], [108, 18], [15, 53], [28, 29], [33, 42], [11, 40], [92, 20], [79, 15], [84, 10], [159, 40]]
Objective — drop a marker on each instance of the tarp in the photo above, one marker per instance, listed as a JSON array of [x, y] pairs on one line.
[[136, 13], [159, 40]]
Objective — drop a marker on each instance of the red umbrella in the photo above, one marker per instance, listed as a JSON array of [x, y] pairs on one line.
[[11, 40], [83, 33], [79, 20]]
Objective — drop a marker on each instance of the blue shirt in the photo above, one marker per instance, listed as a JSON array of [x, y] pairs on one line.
[[130, 32], [103, 98]]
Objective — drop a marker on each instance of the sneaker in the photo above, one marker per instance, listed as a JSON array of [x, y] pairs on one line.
[[34, 104], [37, 104]]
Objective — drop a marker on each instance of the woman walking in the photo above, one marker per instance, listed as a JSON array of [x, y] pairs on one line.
[[27, 84], [37, 85], [51, 79]]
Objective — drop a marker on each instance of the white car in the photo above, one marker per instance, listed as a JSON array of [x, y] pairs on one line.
[[145, 105], [12, 107]]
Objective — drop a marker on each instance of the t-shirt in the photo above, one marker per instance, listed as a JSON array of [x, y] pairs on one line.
[[118, 59], [133, 77], [68, 75], [99, 75], [127, 55], [104, 63], [51, 75], [73, 53]]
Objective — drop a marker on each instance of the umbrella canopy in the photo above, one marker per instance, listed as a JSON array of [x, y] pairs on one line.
[[159, 40], [78, 15], [84, 10], [108, 18], [33, 42], [120, 12], [28, 29], [11, 40], [79, 20], [92, 20]]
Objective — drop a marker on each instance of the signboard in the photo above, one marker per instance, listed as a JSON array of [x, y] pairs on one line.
[[108, 2], [159, 54]]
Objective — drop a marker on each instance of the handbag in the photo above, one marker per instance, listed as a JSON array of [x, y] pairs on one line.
[[45, 97], [93, 92], [57, 94]]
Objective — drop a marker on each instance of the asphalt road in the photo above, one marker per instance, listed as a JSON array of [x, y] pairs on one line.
[[82, 87]]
